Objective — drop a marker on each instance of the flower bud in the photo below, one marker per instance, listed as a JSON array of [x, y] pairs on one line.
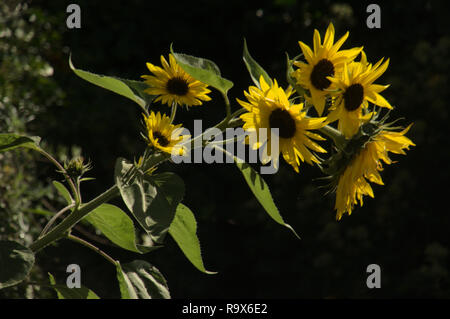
[[76, 167]]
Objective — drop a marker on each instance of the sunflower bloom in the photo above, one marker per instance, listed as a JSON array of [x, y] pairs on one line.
[[269, 107], [355, 89], [173, 85], [353, 184], [163, 135], [324, 61]]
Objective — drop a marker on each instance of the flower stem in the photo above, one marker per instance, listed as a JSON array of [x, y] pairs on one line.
[[92, 247], [55, 217], [64, 172], [173, 112], [337, 137], [228, 107]]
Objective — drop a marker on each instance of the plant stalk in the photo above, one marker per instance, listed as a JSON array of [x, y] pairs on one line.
[[60, 230]]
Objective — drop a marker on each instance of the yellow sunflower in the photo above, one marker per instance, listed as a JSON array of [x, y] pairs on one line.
[[173, 85], [324, 61], [353, 184], [269, 107], [355, 89], [163, 135]]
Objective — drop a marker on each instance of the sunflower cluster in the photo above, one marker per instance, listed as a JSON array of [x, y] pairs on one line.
[[337, 79], [341, 89], [336, 85]]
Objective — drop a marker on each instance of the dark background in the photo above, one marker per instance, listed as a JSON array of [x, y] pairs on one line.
[[404, 229]]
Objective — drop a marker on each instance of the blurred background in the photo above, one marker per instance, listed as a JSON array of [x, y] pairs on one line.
[[404, 229]]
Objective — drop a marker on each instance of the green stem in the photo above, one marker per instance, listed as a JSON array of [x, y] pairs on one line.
[[337, 137], [173, 112], [238, 112], [58, 232], [64, 172], [55, 217], [92, 247], [77, 215], [228, 107]]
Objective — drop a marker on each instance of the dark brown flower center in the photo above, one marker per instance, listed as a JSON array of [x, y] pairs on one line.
[[177, 86], [283, 121], [320, 72], [353, 97], [162, 140]]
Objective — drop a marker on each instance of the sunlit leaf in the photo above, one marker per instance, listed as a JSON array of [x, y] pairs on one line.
[[10, 141], [142, 280], [65, 292], [204, 70], [63, 191], [115, 225], [184, 231], [262, 193], [151, 199], [255, 70], [130, 89]]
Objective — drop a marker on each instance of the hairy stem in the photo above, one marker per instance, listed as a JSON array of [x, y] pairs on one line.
[[92, 247]]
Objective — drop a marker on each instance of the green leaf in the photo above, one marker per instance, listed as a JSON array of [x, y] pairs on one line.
[[203, 70], [62, 190], [142, 280], [262, 193], [291, 80], [10, 141], [255, 70], [184, 231], [138, 88], [127, 88], [65, 292], [126, 288], [151, 199], [170, 192], [137, 195], [16, 262], [115, 224]]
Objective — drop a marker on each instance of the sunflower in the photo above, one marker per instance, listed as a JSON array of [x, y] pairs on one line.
[[163, 135], [325, 61], [353, 183], [173, 85], [269, 107], [355, 89]]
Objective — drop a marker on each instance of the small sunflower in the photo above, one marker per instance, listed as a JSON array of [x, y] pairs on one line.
[[355, 89], [163, 135], [353, 184], [324, 61], [269, 107], [173, 85]]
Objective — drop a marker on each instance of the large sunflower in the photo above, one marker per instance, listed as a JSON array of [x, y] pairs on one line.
[[163, 135], [355, 89], [173, 85], [324, 61], [269, 107], [353, 184]]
